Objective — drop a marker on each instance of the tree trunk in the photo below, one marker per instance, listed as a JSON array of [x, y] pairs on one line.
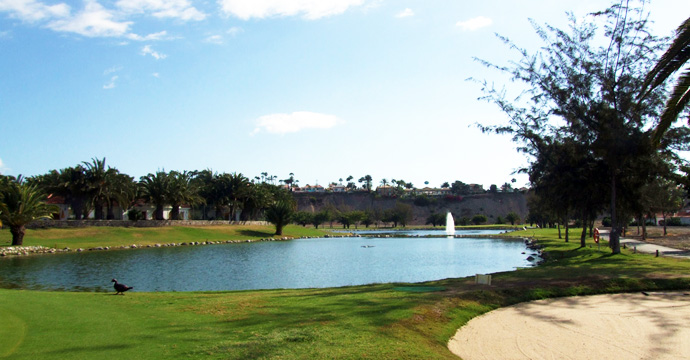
[[158, 213], [559, 231], [98, 210], [567, 230], [77, 209], [614, 239], [175, 212], [644, 227], [17, 235], [664, 217], [279, 229], [583, 237], [111, 214]]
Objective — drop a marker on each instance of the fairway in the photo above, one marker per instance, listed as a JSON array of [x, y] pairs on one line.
[[386, 321]]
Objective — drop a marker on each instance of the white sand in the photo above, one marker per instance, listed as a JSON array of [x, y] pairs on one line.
[[620, 326]]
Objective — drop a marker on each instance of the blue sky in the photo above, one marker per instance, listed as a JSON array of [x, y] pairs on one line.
[[323, 89]]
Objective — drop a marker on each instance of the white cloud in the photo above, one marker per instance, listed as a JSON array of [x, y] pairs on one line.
[[214, 39], [150, 37], [474, 23], [297, 121], [405, 13], [309, 9], [31, 10], [111, 83], [111, 70], [233, 31], [178, 9], [156, 75], [93, 21], [147, 50], [2, 167]]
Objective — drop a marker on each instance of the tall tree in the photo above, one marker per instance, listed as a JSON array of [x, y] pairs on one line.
[[20, 204], [121, 190], [181, 190], [97, 183], [154, 190], [589, 94], [366, 179]]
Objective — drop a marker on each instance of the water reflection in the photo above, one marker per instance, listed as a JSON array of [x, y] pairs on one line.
[[267, 265]]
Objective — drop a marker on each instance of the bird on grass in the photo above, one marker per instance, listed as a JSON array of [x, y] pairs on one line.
[[121, 288]]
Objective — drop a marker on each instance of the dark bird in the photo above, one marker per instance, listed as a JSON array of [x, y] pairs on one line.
[[121, 288]]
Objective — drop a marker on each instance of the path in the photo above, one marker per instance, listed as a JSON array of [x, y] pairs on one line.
[[647, 248]]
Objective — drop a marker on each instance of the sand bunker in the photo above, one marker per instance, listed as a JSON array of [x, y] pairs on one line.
[[620, 326]]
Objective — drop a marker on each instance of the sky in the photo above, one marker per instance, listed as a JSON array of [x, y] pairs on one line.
[[322, 89]]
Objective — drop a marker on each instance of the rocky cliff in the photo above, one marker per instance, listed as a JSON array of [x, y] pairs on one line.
[[491, 205]]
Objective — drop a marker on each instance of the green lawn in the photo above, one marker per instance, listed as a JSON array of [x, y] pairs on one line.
[[116, 236], [387, 321]]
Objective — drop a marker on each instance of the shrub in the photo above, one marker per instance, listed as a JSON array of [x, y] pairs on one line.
[[423, 200], [452, 198], [671, 222], [479, 219], [606, 222], [134, 215]]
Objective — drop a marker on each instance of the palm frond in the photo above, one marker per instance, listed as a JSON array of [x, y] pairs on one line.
[[674, 58], [680, 98]]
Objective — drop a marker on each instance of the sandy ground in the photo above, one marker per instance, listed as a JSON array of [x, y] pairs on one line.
[[619, 326]]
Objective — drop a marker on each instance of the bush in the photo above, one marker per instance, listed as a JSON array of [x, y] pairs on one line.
[[134, 215], [452, 198], [606, 222], [671, 222], [463, 221], [423, 200], [649, 222], [479, 219], [499, 220]]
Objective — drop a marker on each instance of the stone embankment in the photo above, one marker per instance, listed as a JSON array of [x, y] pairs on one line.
[[43, 224], [34, 250]]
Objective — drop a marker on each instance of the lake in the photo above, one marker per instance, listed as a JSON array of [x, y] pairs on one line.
[[302, 263]]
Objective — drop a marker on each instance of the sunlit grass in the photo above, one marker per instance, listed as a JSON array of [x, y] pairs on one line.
[[116, 236], [386, 321]]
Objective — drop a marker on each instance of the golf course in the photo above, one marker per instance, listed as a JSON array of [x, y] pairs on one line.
[[381, 321]]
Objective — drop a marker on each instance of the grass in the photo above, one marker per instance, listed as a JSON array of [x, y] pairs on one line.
[[385, 321], [90, 237]]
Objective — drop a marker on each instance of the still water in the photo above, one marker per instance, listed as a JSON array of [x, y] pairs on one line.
[[303, 263]]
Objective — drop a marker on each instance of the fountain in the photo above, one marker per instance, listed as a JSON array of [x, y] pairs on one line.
[[450, 224]]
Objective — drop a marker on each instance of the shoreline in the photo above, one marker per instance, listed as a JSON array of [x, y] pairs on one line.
[[11, 251]]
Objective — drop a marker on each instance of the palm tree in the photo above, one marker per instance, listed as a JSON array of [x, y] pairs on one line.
[[181, 190], [367, 181], [20, 204], [238, 191], [120, 189], [97, 183], [204, 181], [154, 190], [675, 57], [280, 213]]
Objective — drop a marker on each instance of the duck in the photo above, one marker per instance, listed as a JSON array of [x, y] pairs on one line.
[[121, 288]]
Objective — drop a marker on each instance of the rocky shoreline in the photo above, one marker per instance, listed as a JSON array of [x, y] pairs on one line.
[[39, 250]]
